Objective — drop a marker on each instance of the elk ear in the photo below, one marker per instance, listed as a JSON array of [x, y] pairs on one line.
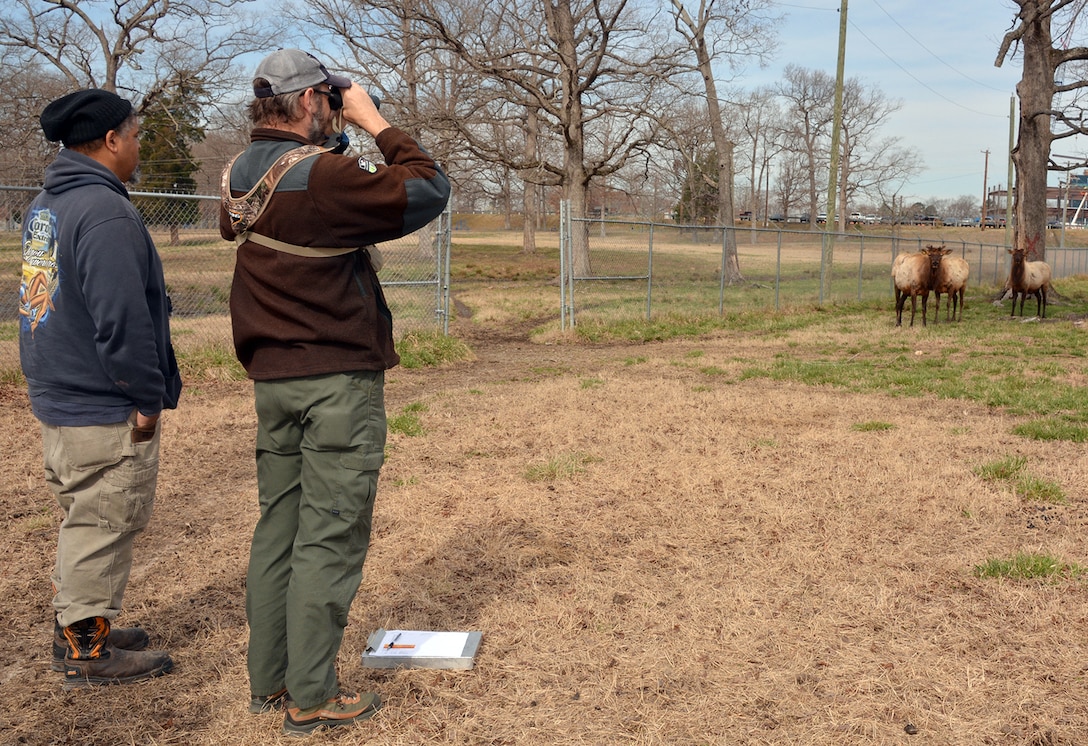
[[946, 252]]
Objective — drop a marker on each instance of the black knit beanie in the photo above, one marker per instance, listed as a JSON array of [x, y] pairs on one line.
[[83, 116]]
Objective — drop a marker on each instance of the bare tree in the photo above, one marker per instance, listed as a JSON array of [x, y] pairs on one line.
[[556, 91], [807, 96], [867, 159], [790, 183], [695, 165], [29, 88], [738, 32], [136, 48], [1040, 122], [756, 115]]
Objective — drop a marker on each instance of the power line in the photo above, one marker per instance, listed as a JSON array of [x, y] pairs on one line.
[[920, 82], [934, 54]]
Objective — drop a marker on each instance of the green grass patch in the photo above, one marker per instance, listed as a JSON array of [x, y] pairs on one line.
[[1008, 468], [211, 362], [1035, 489], [1028, 566], [406, 422], [430, 349], [1027, 486], [560, 467], [1053, 428], [873, 426]]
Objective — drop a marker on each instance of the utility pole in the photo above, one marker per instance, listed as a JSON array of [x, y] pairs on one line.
[[833, 175], [985, 178]]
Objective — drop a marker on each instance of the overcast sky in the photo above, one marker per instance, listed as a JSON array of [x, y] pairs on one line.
[[937, 57]]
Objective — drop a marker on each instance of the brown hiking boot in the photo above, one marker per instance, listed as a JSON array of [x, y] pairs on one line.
[[343, 709], [91, 661], [125, 638]]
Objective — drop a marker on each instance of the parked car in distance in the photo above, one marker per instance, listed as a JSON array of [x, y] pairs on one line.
[[966, 222], [821, 217], [870, 219], [857, 217], [777, 218]]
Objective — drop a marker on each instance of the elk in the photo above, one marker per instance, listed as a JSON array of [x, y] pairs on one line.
[[1028, 278], [913, 275], [951, 279]]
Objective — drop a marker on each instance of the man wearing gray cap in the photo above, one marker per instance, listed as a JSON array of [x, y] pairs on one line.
[[313, 331], [94, 343]]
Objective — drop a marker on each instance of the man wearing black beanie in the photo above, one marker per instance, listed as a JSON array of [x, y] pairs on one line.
[[94, 342]]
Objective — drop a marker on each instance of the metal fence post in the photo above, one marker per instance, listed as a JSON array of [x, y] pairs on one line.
[[562, 265], [861, 264], [650, 274], [721, 282], [778, 273], [447, 240]]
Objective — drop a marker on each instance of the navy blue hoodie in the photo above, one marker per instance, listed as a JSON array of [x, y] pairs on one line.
[[94, 331]]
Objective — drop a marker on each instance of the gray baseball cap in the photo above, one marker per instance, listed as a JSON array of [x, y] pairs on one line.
[[290, 70]]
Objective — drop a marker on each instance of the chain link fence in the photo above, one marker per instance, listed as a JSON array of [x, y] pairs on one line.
[[636, 268], [198, 265]]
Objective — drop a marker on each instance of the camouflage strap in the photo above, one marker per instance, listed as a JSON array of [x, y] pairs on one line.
[[243, 211]]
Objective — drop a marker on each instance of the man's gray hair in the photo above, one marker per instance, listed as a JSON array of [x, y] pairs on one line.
[[282, 109]]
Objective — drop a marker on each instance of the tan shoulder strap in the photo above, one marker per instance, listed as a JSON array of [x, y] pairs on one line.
[[290, 248], [243, 211]]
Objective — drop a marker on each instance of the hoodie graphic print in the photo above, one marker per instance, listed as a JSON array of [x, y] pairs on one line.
[[40, 277]]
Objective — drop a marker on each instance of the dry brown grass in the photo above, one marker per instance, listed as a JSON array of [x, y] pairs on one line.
[[702, 562]]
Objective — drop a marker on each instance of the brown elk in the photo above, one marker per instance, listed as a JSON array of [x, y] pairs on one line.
[[914, 275], [1028, 278], [951, 279]]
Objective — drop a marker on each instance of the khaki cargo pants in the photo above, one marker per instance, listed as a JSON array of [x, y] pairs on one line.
[[105, 484]]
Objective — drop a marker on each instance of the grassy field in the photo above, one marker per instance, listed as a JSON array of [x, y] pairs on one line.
[[803, 526]]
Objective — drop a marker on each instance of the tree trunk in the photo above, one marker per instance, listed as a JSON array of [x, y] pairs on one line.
[[575, 175], [724, 148], [1032, 152]]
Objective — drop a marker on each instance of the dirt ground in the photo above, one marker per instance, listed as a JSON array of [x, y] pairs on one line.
[[656, 552]]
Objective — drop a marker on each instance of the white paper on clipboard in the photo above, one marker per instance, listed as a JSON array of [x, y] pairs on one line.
[[421, 644]]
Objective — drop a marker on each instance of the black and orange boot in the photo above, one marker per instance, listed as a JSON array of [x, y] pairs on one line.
[[125, 638], [91, 661]]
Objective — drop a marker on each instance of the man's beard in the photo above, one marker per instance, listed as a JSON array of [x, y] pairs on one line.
[[317, 129]]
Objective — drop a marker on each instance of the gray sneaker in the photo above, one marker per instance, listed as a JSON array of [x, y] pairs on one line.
[[267, 703]]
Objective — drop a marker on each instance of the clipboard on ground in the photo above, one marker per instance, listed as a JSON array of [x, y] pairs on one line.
[[413, 648]]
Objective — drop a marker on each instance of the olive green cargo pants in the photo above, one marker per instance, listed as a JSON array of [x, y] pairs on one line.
[[320, 446]]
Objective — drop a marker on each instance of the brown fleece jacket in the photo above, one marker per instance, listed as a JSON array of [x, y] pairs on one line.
[[299, 316]]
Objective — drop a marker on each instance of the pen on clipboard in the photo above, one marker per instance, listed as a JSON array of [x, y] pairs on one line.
[[392, 644]]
